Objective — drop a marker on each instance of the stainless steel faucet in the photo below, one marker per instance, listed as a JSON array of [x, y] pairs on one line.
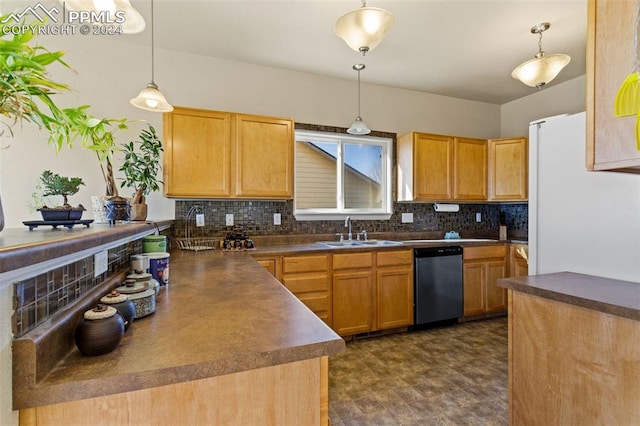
[[347, 223]]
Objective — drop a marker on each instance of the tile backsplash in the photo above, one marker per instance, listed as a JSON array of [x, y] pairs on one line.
[[257, 218]]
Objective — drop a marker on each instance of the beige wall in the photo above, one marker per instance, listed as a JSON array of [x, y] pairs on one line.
[[567, 97]]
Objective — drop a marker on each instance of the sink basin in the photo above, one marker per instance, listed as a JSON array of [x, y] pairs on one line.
[[356, 243]]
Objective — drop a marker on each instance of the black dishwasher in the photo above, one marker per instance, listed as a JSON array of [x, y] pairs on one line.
[[438, 291]]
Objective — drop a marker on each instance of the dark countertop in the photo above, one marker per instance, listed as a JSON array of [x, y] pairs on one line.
[[616, 297], [20, 247], [221, 313]]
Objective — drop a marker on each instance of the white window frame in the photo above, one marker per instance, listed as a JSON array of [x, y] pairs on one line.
[[383, 213]]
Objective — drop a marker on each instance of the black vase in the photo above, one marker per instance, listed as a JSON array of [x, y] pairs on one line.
[[99, 336], [117, 208], [125, 307]]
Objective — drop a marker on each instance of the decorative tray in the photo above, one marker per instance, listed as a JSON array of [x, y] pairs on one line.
[[32, 224]]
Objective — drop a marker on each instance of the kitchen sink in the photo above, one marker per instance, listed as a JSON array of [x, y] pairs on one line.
[[362, 243]]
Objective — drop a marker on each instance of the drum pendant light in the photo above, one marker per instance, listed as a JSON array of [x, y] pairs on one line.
[[151, 98], [543, 68], [358, 127], [364, 28]]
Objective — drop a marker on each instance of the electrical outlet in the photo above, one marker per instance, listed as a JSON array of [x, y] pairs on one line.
[[277, 219], [478, 217], [228, 220], [407, 217], [200, 220], [100, 263]]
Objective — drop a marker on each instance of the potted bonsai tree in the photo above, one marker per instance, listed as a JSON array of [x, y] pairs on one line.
[[141, 165], [54, 184]]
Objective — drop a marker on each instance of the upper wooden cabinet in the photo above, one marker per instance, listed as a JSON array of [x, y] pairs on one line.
[[610, 52], [425, 167], [469, 169], [213, 154], [508, 169], [440, 168]]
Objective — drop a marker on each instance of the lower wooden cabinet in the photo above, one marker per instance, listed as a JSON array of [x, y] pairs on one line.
[[483, 266], [518, 264], [394, 288], [307, 277]]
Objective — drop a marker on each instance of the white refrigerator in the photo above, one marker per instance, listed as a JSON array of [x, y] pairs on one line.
[[579, 221]]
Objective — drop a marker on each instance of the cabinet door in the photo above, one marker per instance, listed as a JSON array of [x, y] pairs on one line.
[[474, 276], [432, 164], [496, 299], [470, 169], [307, 277], [264, 157], [353, 302], [610, 139], [197, 147], [394, 294], [508, 169]]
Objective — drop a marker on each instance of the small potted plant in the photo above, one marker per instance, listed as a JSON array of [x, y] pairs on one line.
[[54, 184], [141, 165]]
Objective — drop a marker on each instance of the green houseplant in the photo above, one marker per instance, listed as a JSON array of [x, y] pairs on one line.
[[26, 90], [140, 166], [54, 184]]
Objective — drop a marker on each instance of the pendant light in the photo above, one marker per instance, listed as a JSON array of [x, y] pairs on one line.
[[151, 98], [358, 127], [364, 28], [543, 68], [133, 22]]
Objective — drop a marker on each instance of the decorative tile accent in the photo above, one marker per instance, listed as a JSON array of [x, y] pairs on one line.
[[38, 298]]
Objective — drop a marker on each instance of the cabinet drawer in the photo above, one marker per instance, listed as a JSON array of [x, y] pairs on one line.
[[352, 260], [318, 303], [306, 283], [484, 252], [393, 258], [305, 264]]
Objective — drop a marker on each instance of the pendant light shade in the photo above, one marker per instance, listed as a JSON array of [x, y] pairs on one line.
[[543, 68], [364, 28], [358, 127], [151, 98], [133, 21]]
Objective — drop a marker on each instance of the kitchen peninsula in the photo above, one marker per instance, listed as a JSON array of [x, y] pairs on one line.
[[228, 344], [574, 356]]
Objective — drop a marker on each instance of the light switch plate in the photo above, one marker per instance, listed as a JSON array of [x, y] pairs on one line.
[[228, 220], [199, 220], [478, 217], [407, 217], [100, 263], [277, 219]]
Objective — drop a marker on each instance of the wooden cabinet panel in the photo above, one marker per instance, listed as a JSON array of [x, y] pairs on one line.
[[496, 296], [352, 260], [394, 287], [353, 302], [197, 153], [610, 51], [213, 154], [424, 167], [508, 169], [474, 288], [483, 266], [308, 278], [264, 157], [518, 265], [470, 169], [268, 264], [394, 258], [311, 263]]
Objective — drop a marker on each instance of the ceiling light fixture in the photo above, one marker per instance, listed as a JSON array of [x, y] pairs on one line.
[[364, 28], [133, 21], [543, 68], [151, 98], [358, 127]]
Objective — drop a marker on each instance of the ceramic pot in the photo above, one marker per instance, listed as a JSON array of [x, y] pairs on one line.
[[100, 331], [143, 297], [117, 209], [145, 277], [138, 212], [123, 305], [60, 214]]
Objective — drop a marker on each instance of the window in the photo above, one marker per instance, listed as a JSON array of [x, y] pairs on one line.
[[338, 175]]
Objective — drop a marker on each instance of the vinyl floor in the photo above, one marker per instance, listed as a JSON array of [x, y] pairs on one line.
[[454, 375]]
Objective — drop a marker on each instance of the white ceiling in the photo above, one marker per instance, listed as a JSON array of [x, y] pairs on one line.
[[460, 48]]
